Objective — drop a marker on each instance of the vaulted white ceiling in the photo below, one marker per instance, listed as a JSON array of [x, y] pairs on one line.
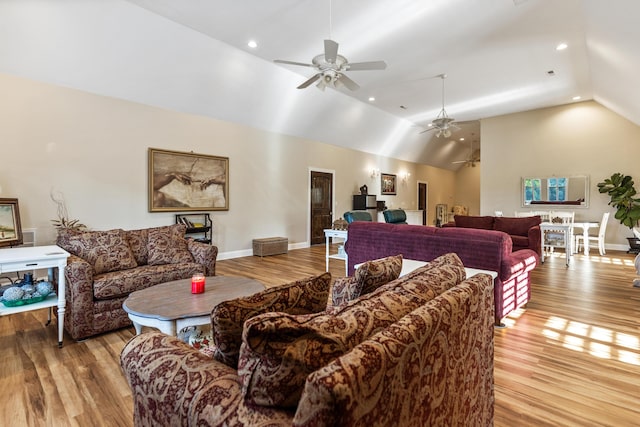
[[500, 57]]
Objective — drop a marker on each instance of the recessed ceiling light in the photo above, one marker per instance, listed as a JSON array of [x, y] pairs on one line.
[[371, 99], [577, 98], [562, 46], [252, 44], [461, 139]]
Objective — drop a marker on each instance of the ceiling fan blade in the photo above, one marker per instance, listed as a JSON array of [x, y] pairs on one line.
[[460, 161], [350, 84], [330, 51], [282, 61], [311, 80], [428, 129], [371, 65]]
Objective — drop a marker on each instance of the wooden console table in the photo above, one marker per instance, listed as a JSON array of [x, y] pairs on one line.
[[24, 259]]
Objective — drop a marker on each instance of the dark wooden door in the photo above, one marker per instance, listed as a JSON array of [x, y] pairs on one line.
[[321, 205], [422, 201]]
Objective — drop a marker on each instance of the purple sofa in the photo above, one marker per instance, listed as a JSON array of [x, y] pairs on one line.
[[524, 231], [482, 249]]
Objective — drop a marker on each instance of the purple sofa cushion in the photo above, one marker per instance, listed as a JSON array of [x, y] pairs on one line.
[[481, 222], [516, 226]]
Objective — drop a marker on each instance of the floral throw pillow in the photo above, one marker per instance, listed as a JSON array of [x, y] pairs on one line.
[[106, 251], [373, 274], [343, 290], [167, 245], [308, 295]]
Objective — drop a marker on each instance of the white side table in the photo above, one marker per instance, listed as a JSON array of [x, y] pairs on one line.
[[342, 234], [50, 257], [567, 236]]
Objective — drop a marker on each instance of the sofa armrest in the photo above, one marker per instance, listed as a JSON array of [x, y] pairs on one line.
[[174, 384], [204, 254], [518, 262], [79, 295], [535, 239], [165, 374]]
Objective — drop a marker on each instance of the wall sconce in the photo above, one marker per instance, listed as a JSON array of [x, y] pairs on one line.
[[375, 173], [405, 176]]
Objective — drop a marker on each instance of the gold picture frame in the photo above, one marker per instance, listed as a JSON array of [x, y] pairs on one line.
[[181, 181], [10, 227], [387, 184]]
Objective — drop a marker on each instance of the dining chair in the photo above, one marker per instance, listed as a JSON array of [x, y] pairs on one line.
[[599, 239], [544, 215]]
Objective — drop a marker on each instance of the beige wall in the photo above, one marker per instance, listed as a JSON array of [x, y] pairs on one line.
[[467, 188], [93, 149], [575, 139]]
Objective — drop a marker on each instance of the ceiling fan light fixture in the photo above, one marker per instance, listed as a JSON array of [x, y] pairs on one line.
[[331, 66]]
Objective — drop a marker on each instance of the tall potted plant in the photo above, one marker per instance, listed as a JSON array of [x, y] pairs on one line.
[[620, 189]]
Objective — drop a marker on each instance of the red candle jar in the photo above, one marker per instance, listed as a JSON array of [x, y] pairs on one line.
[[197, 283]]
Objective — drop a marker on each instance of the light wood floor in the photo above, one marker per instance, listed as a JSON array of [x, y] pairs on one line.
[[571, 358]]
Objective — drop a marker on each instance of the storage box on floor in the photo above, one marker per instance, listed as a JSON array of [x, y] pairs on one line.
[[270, 246]]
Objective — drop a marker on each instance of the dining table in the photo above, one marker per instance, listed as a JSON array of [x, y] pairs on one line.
[[584, 226]]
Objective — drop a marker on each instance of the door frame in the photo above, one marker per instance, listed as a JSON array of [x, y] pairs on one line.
[[426, 199], [333, 197]]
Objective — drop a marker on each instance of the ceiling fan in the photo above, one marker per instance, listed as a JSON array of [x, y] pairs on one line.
[[474, 157], [443, 124], [331, 67]]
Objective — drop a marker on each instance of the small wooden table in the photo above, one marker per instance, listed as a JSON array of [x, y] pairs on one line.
[[171, 307]]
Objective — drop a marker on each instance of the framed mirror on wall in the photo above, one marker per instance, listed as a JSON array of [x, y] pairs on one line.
[[565, 191], [10, 228]]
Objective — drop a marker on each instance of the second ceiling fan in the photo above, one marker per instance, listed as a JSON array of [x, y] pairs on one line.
[[443, 124]]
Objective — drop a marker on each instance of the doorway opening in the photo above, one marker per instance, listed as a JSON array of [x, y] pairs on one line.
[[321, 205]]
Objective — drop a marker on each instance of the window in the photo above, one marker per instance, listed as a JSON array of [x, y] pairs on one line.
[[557, 189], [532, 190]]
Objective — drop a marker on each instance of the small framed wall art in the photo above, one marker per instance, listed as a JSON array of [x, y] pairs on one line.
[[10, 228], [187, 182], [387, 184]]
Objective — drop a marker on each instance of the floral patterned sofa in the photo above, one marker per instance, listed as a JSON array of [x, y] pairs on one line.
[[106, 266], [372, 349]]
